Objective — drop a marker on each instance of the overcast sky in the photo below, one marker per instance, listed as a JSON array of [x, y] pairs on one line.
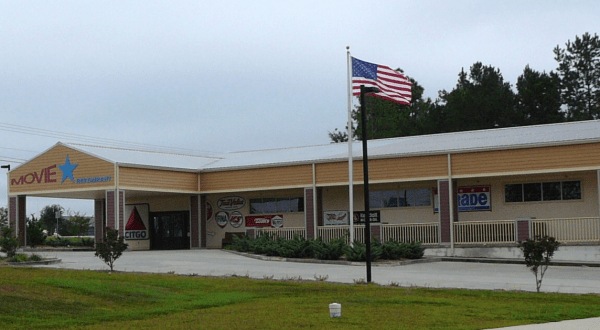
[[238, 75]]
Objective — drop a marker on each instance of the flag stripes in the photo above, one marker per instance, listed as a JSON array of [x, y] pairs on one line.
[[393, 85]]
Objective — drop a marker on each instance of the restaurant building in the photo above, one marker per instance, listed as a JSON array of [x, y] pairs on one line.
[[495, 186]]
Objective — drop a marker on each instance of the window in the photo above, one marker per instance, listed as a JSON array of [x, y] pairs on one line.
[[276, 205], [400, 198], [545, 191]]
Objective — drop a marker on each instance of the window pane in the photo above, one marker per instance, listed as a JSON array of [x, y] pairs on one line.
[[532, 192], [513, 193], [402, 196], [283, 205], [551, 191], [571, 190], [255, 205], [269, 205], [263, 205], [297, 204], [384, 198], [418, 197]]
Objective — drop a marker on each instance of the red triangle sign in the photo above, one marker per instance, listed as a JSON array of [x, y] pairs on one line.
[[135, 221]]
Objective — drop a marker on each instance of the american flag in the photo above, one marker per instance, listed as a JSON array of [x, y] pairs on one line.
[[393, 85]]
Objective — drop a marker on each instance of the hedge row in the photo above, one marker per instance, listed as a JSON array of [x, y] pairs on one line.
[[68, 241], [299, 247]]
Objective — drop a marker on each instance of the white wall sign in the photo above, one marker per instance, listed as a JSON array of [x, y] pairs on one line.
[[336, 218], [231, 203], [236, 219], [222, 218]]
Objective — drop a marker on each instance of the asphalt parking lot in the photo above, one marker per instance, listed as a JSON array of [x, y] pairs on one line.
[[436, 274], [439, 274]]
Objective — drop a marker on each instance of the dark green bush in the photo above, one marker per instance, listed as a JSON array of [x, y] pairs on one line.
[[241, 244], [297, 247], [392, 250], [18, 258], [35, 257], [8, 243], [87, 241], [416, 250], [358, 252], [329, 251], [69, 241], [111, 247], [264, 244], [538, 253], [35, 234]]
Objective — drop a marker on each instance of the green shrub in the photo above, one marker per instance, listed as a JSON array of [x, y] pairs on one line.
[[265, 244], [358, 252], [241, 244], [297, 247], [8, 243], [416, 250], [392, 250], [87, 241], [329, 251], [35, 234], [111, 247], [34, 257], [538, 252], [69, 241], [18, 258]]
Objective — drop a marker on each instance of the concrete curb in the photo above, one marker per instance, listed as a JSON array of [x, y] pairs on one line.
[[36, 263], [412, 261], [335, 262], [60, 249], [520, 262]]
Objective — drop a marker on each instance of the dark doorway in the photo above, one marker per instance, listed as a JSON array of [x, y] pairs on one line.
[[169, 230]]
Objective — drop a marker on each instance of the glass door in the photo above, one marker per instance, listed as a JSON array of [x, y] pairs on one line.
[[170, 230]]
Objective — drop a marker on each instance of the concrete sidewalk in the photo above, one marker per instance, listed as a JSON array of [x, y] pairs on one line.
[[435, 274]]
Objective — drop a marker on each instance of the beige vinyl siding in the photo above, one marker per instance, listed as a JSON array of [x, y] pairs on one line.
[[87, 167], [408, 168], [261, 178], [587, 206], [390, 169], [159, 180], [527, 160]]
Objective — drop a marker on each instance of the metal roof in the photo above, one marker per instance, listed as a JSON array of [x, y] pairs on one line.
[[491, 139]]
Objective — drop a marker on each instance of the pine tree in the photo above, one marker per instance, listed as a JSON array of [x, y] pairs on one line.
[[579, 72]]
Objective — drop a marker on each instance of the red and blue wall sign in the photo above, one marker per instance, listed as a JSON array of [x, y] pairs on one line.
[[468, 199], [475, 198]]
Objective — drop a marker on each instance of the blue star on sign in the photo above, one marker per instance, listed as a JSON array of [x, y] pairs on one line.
[[67, 170]]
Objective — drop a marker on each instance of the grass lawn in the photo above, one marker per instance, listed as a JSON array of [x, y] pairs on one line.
[[32, 298]]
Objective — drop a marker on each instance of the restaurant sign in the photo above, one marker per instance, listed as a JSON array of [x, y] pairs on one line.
[[359, 217], [336, 218], [264, 220], [231, 203]]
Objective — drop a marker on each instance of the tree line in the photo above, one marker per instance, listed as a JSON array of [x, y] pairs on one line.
[[74, 224], [482, 99]]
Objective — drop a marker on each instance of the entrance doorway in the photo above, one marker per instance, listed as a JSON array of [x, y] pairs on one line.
[[169, 230]]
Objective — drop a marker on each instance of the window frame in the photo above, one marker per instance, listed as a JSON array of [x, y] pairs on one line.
[[396, 195], [527, 198], [278, 203]]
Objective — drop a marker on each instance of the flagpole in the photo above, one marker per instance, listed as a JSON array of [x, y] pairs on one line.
[[350, 169]]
